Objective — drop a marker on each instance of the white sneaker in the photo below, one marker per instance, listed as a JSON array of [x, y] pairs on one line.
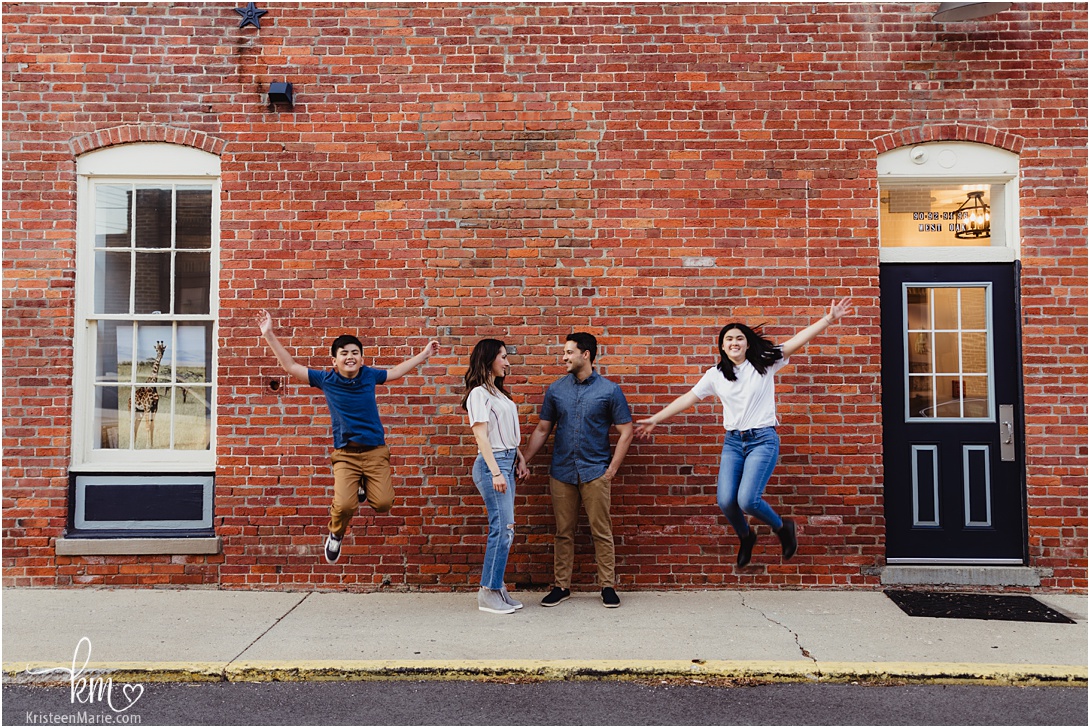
[[491, 600], [332, 549]]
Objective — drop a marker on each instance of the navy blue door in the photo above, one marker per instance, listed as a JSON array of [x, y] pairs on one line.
[[952, 416]]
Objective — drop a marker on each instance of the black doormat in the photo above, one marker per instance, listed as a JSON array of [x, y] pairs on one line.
[[1008, 607]]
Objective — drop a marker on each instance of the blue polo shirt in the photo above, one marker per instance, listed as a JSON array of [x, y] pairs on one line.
[[582, 413], [352, 406]]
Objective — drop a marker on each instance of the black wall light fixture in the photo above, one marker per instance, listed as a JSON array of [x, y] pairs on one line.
[[280, 92]]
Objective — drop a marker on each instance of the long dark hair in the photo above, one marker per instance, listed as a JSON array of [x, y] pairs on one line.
[[760, 352], [480, 366]]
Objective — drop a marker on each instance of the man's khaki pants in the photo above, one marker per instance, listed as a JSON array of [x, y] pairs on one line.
[[595, 497], [354, 468]]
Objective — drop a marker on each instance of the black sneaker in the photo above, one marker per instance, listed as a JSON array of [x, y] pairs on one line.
[[556, 596], [745, 550], [610, 598], [332, 549], [787, 538]]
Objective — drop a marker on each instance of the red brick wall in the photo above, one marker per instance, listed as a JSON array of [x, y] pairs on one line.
[[522, 171]]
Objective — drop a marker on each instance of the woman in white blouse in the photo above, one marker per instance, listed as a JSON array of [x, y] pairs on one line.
[[743, 381], [493, 417]]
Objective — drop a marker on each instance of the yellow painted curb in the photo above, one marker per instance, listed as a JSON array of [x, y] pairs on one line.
[[754, 671]]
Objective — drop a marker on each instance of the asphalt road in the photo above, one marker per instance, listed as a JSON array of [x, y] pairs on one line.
[[549, 703]]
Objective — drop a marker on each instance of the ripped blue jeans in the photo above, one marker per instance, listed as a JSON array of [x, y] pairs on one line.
[[501, 516]]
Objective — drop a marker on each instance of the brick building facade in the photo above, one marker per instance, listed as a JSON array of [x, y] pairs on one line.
[[643, 172]]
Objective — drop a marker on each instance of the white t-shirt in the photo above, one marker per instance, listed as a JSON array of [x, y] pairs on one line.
[[501, 414], [749, 402]]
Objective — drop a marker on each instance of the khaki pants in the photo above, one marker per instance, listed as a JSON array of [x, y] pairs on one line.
[[595, 497], [355, 468]]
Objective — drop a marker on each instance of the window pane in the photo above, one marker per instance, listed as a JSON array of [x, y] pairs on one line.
[[974, 352], [921, 398], [193, 280], [153, 218], [928, 216], [153, 283], [919, 309], [112, 271], [947, 359], [194, 355], [194, 226], [974, 308], [107, 428], [152, 409], [106, 362], [919, 352], [153, 355], [113, 216], [947, 397], [192, 417], [946, 308], [975, 391]]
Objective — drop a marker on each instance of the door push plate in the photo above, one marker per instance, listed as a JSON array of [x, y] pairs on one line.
[[1007, 449]]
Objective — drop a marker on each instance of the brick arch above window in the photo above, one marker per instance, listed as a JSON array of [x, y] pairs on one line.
[[134, 133], [950, 133]]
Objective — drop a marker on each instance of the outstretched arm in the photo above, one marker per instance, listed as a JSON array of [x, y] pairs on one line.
[[537, 439], [292, 367], [837, 311], [680, 404], [409, 364]]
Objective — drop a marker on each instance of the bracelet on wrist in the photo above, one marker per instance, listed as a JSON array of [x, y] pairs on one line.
[[497, 475]]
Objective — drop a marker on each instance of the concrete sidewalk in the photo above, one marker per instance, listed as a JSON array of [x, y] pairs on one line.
[[198, 634]]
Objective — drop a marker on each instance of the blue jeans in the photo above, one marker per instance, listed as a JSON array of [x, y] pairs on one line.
[[746, 465], [501, 516]]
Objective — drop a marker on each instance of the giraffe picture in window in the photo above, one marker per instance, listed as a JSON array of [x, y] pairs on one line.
[[164, 400]]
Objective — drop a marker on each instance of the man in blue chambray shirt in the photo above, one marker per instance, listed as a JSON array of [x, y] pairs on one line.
[[582, 406]]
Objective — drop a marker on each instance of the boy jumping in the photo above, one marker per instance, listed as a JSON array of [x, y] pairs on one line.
[[361, 459]]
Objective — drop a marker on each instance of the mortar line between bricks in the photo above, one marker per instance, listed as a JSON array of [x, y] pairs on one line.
[[257, 639], [805, 652]]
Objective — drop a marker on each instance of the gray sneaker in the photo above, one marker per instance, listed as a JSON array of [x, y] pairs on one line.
[[509, 599], [491, 600]]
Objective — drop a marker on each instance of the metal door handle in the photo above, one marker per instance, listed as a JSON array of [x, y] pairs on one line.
[[1008, 452]]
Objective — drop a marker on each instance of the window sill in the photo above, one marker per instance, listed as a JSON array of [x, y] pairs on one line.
[[138, 546]]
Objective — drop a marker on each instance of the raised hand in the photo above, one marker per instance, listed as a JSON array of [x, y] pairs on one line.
[[839, 309]]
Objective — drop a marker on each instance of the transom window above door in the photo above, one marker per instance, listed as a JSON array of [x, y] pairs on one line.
[[948, 202]]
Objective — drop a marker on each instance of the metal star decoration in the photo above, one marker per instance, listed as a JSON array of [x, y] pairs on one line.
[[250, 16]]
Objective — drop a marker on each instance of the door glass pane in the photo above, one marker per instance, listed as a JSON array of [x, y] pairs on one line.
[[947, 367], [974, 352], [974, 309], [946, 308]]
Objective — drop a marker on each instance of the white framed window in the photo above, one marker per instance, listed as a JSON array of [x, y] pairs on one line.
[[953, 202], [147, 272]]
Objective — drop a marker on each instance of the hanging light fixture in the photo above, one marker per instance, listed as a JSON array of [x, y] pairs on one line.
[[955, 12], [973, 218]]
